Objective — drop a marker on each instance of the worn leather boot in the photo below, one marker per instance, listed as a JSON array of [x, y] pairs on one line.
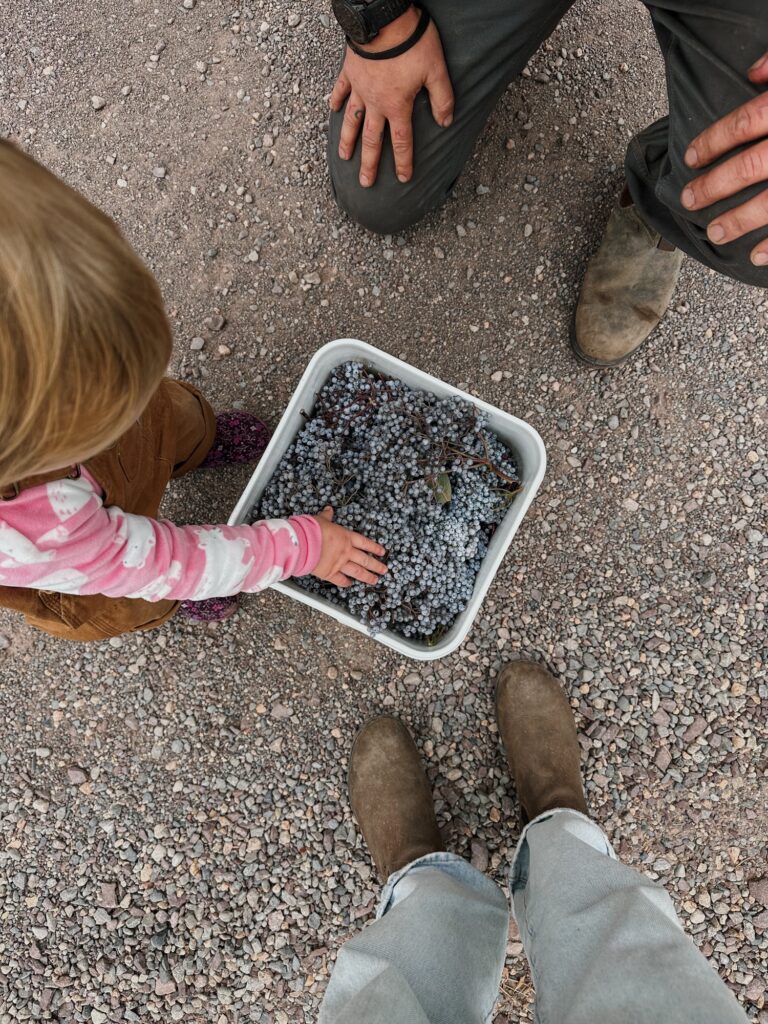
[[390, 796], [539, 736], [626, 290]]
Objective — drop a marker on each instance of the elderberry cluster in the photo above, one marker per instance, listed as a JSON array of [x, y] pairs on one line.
[[422, 475]]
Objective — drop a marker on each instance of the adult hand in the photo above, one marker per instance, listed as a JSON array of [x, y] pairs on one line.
[[747, 123], [346, 555], [383, 91]]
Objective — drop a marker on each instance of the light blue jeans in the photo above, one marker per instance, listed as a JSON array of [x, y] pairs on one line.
[[603, 942]]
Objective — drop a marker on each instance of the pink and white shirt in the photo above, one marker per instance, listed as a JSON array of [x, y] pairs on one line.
[[60, 536]]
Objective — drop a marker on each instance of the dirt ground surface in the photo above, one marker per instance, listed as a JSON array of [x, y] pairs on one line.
[[176, 839]]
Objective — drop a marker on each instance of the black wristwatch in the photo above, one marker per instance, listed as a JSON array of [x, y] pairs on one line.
[[361, 22]]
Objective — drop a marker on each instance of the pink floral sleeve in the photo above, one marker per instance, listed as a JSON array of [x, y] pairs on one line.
[[61, 537]]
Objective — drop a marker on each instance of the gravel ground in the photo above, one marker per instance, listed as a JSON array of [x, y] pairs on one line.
[[176, 840]]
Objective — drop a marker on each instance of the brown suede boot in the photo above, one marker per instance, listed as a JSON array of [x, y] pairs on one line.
[[626, 290], [390, 796], [539, 736]]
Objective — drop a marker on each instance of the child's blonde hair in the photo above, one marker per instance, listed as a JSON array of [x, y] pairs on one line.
[[84, 339]]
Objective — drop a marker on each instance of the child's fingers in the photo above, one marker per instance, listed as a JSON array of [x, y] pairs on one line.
[[368, 562], [367, 545], [340, 580], [357, 572]]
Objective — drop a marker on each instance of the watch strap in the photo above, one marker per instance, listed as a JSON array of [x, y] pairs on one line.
[[379, 13], [395, 51]]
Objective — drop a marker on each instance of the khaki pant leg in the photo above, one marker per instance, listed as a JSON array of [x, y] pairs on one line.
[[195, 425]]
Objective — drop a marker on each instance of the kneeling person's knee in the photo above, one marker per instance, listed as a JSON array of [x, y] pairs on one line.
[[388, 206]]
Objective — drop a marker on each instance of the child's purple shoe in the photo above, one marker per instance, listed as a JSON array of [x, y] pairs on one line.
[[214, 609], [240, 438]]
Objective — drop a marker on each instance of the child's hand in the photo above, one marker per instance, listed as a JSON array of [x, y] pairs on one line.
[[344, 556]]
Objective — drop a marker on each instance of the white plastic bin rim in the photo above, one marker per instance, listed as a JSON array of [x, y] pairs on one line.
[[524, 441]]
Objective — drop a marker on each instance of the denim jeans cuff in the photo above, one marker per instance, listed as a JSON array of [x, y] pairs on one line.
[[428, 860], [545, 816]]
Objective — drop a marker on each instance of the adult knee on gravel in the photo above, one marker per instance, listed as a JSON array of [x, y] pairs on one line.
[[387, 208], [390, 206]]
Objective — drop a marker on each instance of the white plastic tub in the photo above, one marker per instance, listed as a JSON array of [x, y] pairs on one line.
[[518, 435]]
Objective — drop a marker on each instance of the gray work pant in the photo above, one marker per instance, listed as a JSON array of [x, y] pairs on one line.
[[708, 45], [603, 942]]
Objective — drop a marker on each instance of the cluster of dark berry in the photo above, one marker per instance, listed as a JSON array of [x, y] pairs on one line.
[[424, 476]]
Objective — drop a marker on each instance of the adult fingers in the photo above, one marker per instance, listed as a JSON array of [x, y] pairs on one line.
[[401, 132], [759, 70], [357, 572], [441, 98], [341, 90], [744, 124], [359, 541], [759, 254], [739, 221], [351, 125], [728, 178], [373, 136], [339, 579]]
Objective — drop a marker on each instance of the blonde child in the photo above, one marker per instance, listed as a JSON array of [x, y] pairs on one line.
[[91, 433]]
